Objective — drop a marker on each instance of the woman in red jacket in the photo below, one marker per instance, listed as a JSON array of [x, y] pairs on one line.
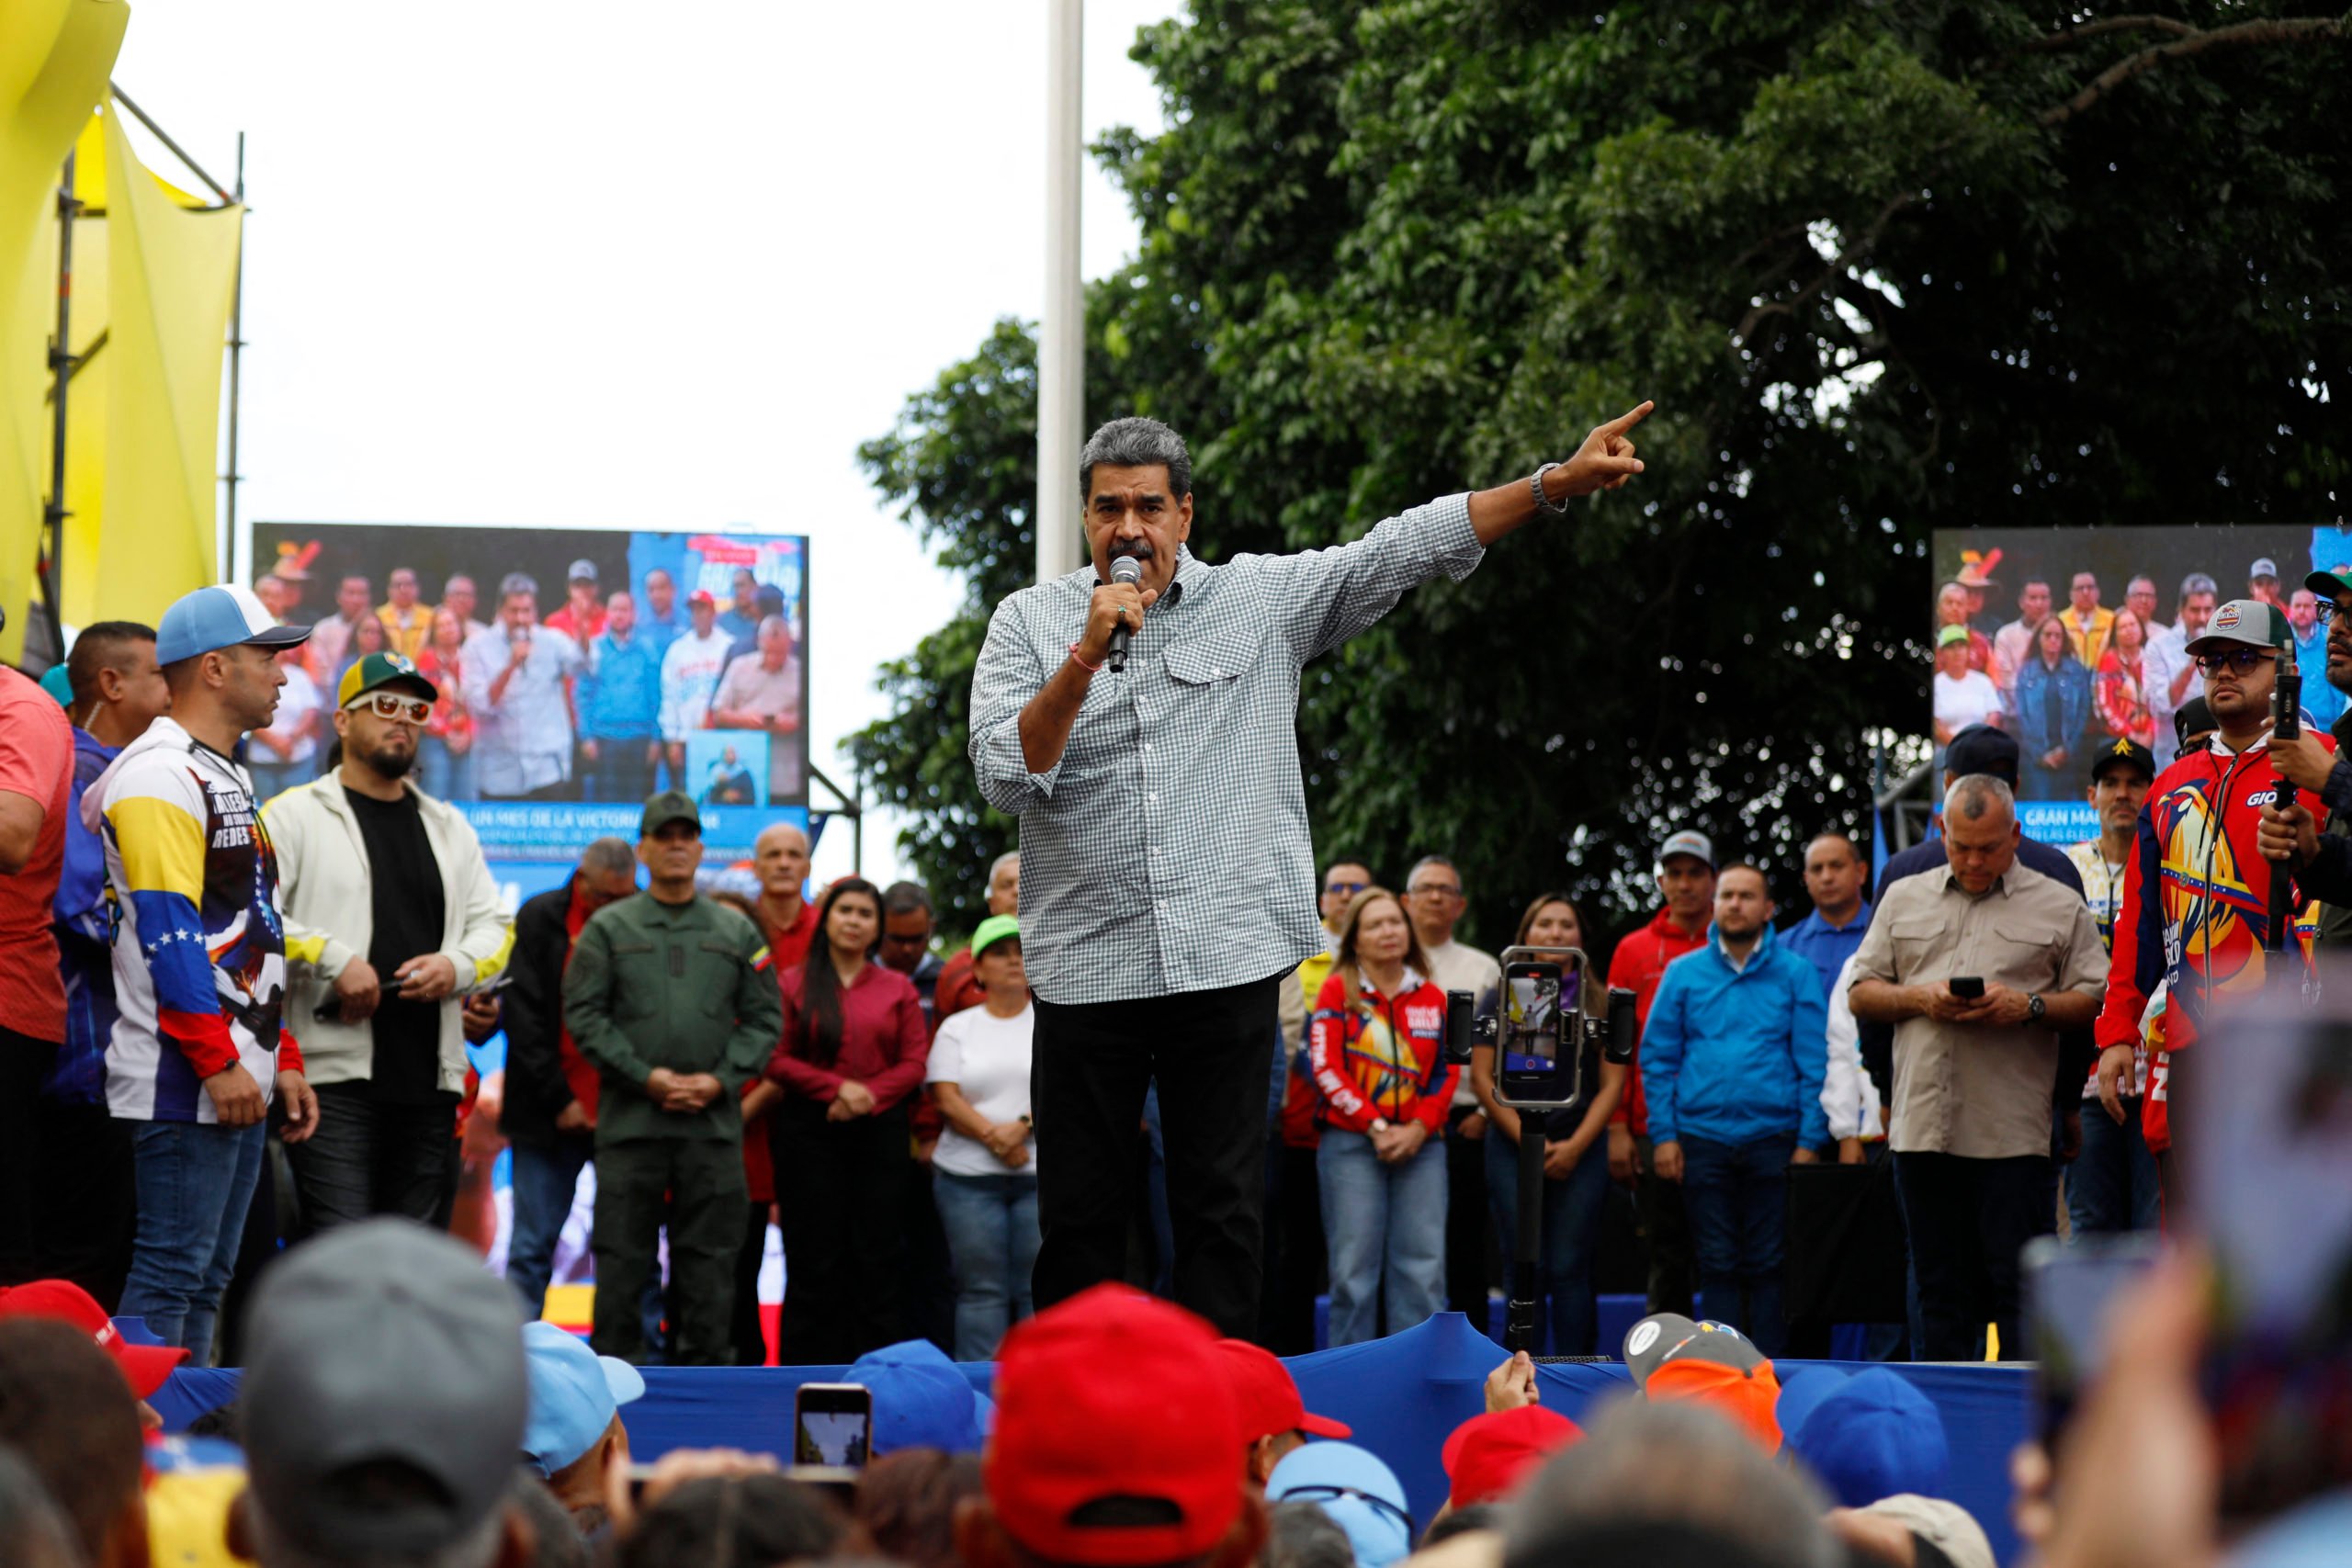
[[854, 1050], [1376, 1046]]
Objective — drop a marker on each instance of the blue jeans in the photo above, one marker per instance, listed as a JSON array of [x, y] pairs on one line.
[[541, 1183], [195, 1184], [441, 773], [1571, 1238], [992, 1225], [1385, 1224], [2114, 1184], [1737, 1195]]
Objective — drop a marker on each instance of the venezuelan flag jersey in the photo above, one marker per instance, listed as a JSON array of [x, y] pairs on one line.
[[200, 962], [2196, 903]]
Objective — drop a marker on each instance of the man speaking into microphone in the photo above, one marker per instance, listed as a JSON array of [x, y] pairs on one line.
[[1143, 730]]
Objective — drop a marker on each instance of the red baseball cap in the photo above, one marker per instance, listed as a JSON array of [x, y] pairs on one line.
[[701, 596], [1268, 1397], [1488, 1455], [145, 1366], [1113, 1395]]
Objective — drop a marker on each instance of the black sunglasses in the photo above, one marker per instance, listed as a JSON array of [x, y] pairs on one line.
[[2244, 660]]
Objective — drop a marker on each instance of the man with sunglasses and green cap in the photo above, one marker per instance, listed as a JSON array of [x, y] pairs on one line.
[[2196, 908], [391, 916]]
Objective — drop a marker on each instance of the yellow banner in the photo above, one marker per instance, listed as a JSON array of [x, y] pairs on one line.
[[54, 57], [172, 277]]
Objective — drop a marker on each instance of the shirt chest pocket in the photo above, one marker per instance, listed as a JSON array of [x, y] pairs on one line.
[[2022, 961], [1206, 672], [640, 979], [714, 963], [1914, 942]]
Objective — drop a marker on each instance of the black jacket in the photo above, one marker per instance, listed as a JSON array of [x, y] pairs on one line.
[[536, 1089]]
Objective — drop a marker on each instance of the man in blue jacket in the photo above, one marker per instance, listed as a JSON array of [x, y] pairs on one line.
[[1732, 1063]]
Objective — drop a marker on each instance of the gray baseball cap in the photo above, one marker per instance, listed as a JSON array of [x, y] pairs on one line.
[[1688, 842], [1648, 1341], [382, 1347]]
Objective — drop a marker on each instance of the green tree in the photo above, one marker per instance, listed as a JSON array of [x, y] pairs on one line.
[[1884, 268]]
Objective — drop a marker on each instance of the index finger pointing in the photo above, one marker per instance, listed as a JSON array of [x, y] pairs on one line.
[[1630, 418]]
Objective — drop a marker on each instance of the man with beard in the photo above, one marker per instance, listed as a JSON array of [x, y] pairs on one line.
[[391, 917]]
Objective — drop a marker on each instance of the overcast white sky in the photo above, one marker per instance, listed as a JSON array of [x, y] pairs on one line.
[[596, 264]]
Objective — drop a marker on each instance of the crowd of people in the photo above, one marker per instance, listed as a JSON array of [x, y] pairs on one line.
[[197, 981], [2068, 679], [596, 701]]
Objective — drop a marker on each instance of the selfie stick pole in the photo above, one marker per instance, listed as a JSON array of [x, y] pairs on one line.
[[2286, 723], [1527, 1259]]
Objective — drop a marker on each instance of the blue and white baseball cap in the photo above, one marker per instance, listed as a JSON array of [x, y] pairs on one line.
[[214, 618]]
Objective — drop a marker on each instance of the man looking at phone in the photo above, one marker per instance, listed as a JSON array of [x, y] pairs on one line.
[[391, 916], [515, 680], [1686, 880], [1732, 1062], [1977, 968]]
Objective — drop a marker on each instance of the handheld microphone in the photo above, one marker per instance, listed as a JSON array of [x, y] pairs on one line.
[[1126, 569]]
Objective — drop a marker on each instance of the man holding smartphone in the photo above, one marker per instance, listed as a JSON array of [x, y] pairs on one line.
[[391, 916], [1974, 1075]]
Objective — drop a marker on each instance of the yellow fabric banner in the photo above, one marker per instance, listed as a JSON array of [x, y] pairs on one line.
[[86, 395], [54, 57], [171, 277]]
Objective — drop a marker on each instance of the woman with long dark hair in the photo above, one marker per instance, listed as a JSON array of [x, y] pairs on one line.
[[853, 1051], [1576, 1163]]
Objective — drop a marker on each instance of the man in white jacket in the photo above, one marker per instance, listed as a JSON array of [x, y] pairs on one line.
[[391, 915]]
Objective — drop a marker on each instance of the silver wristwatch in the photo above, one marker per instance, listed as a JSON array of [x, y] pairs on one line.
[[1545, 505]]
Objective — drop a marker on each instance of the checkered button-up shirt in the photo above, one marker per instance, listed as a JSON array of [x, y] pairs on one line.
[[1168, 849]]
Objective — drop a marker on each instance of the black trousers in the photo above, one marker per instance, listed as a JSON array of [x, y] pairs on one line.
[[751, 1338], [841, 1205], [1968, 1220], [371, 1155], [24, 1062], [67, 1193], [1211, 1052], [1665, 1234], [696, 1187], [1466, 1217]]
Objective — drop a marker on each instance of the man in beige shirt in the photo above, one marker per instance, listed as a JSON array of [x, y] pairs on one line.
[[1974, 1077], [761, 691]]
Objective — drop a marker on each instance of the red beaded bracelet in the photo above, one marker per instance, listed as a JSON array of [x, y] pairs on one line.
[[1082, 664]]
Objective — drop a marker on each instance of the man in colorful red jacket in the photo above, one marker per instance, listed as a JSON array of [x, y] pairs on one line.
[[2196, 908], [1686, 879]]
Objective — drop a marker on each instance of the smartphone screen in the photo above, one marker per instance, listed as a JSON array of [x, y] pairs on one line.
[[1538, 1036], [832, 1424], [2068, 1288], [2262, 1111]]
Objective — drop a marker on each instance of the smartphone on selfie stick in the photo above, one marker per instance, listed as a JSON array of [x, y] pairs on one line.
[[1539, 1032]]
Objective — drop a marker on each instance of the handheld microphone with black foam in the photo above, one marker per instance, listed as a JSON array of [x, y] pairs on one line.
[[1126, 569]]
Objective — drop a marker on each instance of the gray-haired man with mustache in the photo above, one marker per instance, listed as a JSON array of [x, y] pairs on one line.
[[1167, 881]]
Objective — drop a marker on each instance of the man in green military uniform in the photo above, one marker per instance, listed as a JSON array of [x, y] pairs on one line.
[[668, 995]]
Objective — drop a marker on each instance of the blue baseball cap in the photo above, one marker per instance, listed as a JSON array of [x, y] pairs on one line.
[[1356, 1487], [575, 1394], [921, 1400], [214, 618], [1872, 1436]]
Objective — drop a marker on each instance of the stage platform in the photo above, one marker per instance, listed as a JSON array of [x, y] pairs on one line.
[[1402, 1394]]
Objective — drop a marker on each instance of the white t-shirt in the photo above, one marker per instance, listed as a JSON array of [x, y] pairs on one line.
[[297, 700], [987, 1058], [1972, 699]]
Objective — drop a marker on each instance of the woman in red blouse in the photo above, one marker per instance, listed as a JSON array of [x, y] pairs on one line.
[[2122, 688], [854, 1050]]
